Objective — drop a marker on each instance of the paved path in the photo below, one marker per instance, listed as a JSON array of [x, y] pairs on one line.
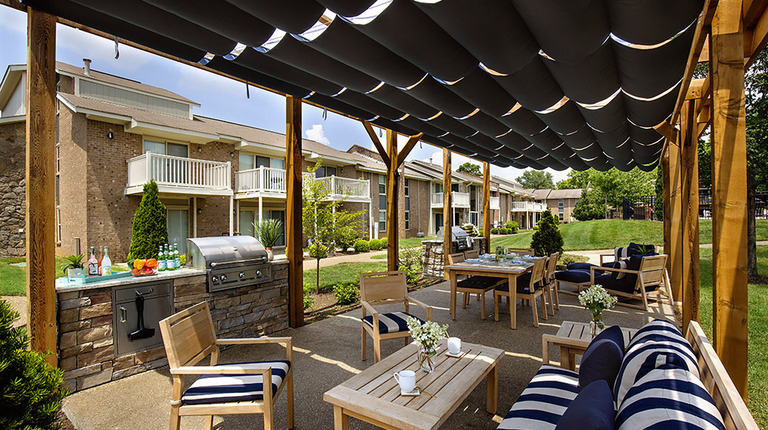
[[18, 303], [310, 263]]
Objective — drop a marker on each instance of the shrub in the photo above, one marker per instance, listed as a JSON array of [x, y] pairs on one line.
[[384, 242], [374, 244], [150, 228], [362, 246], [512, 226], [346, 293], [547, 239], [318, 250], [268, 231], [309, 300], [346, 238], [409, 261], [494, 230], [31, 390], [504, 231]]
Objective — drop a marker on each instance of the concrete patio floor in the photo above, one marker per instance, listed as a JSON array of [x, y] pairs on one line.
[[326, 353]]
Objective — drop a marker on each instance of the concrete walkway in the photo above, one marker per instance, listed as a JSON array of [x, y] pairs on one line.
[[310, 263], [326, 353]]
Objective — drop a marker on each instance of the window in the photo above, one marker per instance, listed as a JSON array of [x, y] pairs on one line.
[[382, 193], [407, 205], [250, 161], [325, 171], [383, 220], [455, 187], [407, 221], [246, 161], [560, 209], [178, 228], [438, 188], [166, 148]]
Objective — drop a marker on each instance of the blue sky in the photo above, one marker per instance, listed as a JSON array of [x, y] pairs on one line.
[[219, 97]]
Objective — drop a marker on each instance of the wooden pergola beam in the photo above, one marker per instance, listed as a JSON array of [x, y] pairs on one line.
[[729, 192], [487, 204], [392, 202], [447, 214], [758, 36], [377, 143], [690, 217], [675, 203], [41, 182], [293, 204], [409, 145]]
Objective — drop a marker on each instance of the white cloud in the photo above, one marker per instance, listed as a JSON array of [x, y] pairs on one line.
[[317, 134], [456, 159], [74, 43]]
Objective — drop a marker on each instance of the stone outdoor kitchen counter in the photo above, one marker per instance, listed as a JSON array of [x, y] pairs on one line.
[[63, 287]]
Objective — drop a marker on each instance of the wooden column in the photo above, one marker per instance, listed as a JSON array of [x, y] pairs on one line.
[[729, 191], [293, 223], [667, 221], [447, 214], [487, 203], [41, 182], [690, 195], [392, 201], [675, 251]]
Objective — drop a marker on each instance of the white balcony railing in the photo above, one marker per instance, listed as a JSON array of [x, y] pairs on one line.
[[346, 188], [495, 203], [460, 200], [261, 180], [528, 207], [179, 174]]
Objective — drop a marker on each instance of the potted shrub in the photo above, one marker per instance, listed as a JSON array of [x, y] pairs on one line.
[[268, 231], [74, 268]]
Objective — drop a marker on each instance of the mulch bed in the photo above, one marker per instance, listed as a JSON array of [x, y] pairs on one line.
[[62, 422]]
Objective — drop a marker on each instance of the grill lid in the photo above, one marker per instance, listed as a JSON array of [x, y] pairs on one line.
[[209, 252]]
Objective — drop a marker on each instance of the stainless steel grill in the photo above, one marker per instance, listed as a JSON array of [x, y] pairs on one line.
[[231, 261], [461, 240]]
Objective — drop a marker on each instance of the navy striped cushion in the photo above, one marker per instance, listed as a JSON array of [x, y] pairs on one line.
[[234, 388], [659, 330], [668, 399], [544, 400], [392, 322], [620, 253]]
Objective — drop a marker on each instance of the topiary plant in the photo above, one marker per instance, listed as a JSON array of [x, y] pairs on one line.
[[31, 390], [384, 242], [547, 239], [362, 246], [374, 244], [494, 230], [150, 228]]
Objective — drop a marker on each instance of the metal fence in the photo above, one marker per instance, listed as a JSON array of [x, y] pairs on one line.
[[705, 204], [637, 208]]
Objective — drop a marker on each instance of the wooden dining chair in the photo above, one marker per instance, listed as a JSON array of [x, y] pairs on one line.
[[530, 286], [521, 251], [222, 389], [472, 253], [552, 287], [475, 284], [379, 288]]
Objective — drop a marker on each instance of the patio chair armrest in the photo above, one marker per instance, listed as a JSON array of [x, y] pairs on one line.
[[424, 306], [368, 307], [602, 257], [611, 269], [231, 369], [254, 340]]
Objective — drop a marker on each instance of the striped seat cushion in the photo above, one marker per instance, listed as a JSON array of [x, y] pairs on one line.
[[659, 330], [668, 399], [544, 400], [392, 322], [234, 388]]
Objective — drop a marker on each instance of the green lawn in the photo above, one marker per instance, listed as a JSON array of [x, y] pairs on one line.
[[757, 355], [413, 242], [606, 234], [342, 272]]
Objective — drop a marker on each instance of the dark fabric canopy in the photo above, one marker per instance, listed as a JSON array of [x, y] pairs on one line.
[[542, 83]]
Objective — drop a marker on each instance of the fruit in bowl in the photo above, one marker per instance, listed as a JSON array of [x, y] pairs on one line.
[[142, 267]]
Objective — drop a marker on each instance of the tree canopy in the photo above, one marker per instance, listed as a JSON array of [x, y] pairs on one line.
[[609, 187], [536, 179], [472, 169]]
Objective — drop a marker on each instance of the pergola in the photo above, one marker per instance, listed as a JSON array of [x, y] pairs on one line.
[[559, 84]]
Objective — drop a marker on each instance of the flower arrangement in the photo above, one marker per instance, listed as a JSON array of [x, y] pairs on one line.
[[427, 334], [596, 300]]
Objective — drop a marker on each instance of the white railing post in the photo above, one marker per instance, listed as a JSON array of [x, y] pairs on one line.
[[148, 170]]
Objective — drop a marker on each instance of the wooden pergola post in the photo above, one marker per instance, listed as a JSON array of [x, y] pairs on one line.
[[675, 203], [293, 204], [487, 204], [729, 191], [41, 182], [690, 221], [447, 214], [392, 202]]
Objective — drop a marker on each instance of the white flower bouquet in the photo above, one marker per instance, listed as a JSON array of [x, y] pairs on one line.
[[596, 300], [428, 334]]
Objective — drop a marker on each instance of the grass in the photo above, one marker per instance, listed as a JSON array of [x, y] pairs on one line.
[[14, 278], [339, 273], [757, 349], [413, 242], [606, 234]]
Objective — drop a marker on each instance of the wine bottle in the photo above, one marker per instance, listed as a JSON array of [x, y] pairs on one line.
[[106, 263], [93, 263], [160, 259]]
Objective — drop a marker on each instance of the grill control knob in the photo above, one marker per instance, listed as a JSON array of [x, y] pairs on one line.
[[223, 278], [258, 273], [215, 279], [241, 275]]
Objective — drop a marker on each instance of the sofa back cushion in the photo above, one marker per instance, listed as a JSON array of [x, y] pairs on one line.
[[591, 409], [600, 362], [659, 329], [638, 249], [669, 399]]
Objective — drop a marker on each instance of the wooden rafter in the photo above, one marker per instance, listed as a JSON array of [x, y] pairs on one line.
[[759, 36], [412, 141], [377, 142], [293, 226]]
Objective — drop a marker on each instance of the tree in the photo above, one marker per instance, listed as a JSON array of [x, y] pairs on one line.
[[612, 185], [150, 228], [547, 239], [591, 205], [536, 179], [325, 223], [472, 169]]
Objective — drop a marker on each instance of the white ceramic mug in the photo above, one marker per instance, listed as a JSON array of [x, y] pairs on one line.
[[407, 380], [454, 345]]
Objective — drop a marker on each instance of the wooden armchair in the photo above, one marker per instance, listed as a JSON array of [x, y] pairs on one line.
[[649, 278], [189, 336], [529, 286], [378, 288], [521, 251], [551, 284]]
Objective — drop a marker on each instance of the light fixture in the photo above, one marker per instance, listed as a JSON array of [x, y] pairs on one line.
[[110, 135], [232, 154], [199, 148], [199, 211]]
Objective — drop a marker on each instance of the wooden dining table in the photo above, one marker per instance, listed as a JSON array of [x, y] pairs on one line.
[[509, 269]]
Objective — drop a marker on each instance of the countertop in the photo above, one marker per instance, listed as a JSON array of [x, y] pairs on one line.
[[64, 287]]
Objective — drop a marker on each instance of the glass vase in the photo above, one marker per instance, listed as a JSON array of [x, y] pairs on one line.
[[596, 325], [427, 359]]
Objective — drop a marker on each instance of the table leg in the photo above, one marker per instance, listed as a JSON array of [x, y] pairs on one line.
[[512, 301], [340, 419], [491, 403], [453, 275], [567, 358]]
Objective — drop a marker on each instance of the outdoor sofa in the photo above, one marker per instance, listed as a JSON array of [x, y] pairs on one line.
[[660, 380]]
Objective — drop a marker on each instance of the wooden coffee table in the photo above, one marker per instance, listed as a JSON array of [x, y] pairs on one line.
[[573, 338], [374, 396]]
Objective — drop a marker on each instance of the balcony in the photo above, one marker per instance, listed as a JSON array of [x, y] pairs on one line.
[[261, 182], [528, 207], [179, 175], [495, 203], [460, 200], [351, 190]]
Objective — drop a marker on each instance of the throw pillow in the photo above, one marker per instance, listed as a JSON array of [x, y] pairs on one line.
[[600, 362], [591, 409], [614, 334]]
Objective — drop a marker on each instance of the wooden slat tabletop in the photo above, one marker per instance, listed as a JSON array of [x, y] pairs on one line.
[[374, 395]]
